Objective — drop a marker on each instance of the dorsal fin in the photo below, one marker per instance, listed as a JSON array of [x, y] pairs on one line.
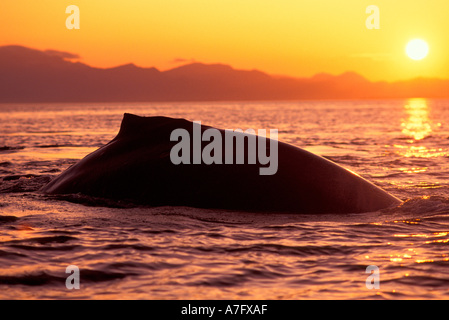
[[134, 125], [131, 124]]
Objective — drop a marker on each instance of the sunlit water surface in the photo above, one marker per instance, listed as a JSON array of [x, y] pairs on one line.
[[187, 253]]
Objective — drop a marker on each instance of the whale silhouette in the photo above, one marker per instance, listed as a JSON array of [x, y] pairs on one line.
[[136, 166]]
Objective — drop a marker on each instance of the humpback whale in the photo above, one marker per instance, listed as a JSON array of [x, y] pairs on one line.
[[136, 166]]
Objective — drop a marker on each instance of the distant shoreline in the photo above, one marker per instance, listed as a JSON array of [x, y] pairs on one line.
[[33, 76]]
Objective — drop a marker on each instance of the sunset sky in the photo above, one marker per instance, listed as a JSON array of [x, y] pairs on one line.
[[297, 38]]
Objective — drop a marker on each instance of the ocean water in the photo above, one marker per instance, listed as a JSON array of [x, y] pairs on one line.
[[188, 253]]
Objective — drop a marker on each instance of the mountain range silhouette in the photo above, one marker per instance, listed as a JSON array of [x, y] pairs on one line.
[[29, 75]]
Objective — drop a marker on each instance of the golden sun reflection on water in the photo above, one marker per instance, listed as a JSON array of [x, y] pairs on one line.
[[417, 127], [418, 124], [416, 249]]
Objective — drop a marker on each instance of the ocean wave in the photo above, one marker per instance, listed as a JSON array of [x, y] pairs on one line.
[[44, 278], [6, 219], [8, 149], [423, 205], [282, 250], [90, 201], [23, 183], [5, 164], [33, 279], [45, 240], [419, 281], [11, 255]]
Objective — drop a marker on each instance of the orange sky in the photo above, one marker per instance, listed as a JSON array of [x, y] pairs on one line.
[[289, 37]]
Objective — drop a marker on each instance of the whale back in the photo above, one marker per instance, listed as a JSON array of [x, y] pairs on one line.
[[136, 167]]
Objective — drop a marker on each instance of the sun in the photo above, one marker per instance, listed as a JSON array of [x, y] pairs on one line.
[[417, 49]]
